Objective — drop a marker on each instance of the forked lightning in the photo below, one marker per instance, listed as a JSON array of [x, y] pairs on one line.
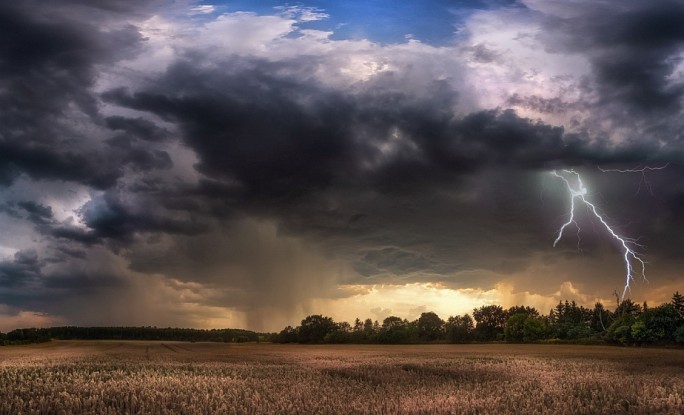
[[578, 194], [642, 171]]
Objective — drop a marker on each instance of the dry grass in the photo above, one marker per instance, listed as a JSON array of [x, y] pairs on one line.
[[109, 377]]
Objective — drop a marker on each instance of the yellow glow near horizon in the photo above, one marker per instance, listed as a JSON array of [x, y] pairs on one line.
[[410, 300]]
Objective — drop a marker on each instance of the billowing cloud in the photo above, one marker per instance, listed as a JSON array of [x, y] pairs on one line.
[[196, 165]]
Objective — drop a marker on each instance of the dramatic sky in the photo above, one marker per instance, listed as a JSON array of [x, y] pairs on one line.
[[245, 164]]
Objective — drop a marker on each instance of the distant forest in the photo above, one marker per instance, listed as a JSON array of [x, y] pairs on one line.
[[33, 335], [629, 324]]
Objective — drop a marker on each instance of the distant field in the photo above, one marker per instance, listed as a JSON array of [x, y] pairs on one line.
[[129, 377]]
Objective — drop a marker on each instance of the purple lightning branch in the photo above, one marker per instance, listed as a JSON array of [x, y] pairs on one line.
[[578, 194], [642, 171]]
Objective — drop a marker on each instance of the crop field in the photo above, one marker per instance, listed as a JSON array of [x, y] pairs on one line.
[[122, 377]]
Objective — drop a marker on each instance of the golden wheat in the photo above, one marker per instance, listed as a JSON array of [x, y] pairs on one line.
[[183, 378]]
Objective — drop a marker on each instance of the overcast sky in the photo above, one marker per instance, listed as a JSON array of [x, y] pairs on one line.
[[221, 164]]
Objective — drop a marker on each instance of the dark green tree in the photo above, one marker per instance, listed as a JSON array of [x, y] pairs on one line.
[[358, 325], [514, 330], [678, 303], [524, 328], [287, 335], [518, 309], [600, 319], [679, 335], [393, 322], [341, 334], [430, 327], [656, 325], [394, 330], [570, 321], [628, 307], [534, 329], [491, 320], [368, 330], [620, 331], [314, 328], [459, 329]]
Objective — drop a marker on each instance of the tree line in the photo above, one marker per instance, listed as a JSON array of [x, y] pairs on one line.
[[629, 324], [37, 335]]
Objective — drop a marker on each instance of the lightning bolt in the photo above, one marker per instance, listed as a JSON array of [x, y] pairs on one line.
[[642, 171], [578, 195]]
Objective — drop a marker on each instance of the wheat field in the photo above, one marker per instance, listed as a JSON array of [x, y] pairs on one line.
[[122, 377]]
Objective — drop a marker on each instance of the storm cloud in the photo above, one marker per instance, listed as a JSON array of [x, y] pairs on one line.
[[156, 163]]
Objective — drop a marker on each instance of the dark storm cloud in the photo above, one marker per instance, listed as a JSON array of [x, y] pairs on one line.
[[390, 259], [279, 137], [108, 218], [46, 63], [81, 283], [40, 160], [292, 172], [313, 158], [75, 234], [37, 213], [285, 149], [634, 47], [36, 210], [261, 136], [138, 158], [137, 127], [49, 57], [649, 206], [249, 126], [23, 270], [72, 252], [73, 291]]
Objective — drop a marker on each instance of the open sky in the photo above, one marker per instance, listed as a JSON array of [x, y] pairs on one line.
[[226, 164]]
